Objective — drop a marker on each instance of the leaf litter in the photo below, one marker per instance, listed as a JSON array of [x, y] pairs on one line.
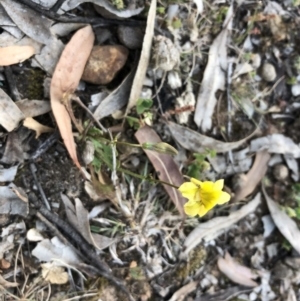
[[137, 222]]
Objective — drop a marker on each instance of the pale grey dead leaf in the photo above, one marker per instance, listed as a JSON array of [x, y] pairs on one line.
[[32, 108], [45, 3], [269, 225], [54, 274], [283, 222], [79, 218], [5, 246], [70, 210], [144, 58], [214, 77], [276, 144], [292, 164], [236, 272], [217, 226], [14, 31], [30, 22], [13, 152], [10, 203], [115, 100], [10, 114], [199, 4], [63, 29], [12, 229], [253, 177], [49, 56], [241, 163], [47, 250], [198, 143], [6, 39], [126, 13], [8, 174], [180, 294], [241, 69], [5, 19]]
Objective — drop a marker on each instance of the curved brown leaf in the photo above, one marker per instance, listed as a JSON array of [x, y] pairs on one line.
[[65, 80], [165, 166]]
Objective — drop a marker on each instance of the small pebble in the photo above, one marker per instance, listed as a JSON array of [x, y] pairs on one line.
[[205, 283], [256, 60], [281, 172], [252, 296], [296, 90], [268, 72], [174, 80]]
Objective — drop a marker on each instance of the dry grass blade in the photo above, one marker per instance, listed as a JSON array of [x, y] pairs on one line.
[[144, 59], [253, 177], [164, 165], [236, 272], [6, 283], [283, 222], [65, 80], [15, 54]]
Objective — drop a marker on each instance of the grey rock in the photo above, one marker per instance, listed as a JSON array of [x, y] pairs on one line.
[[131, 37]]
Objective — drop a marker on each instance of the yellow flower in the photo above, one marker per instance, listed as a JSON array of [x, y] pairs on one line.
[[203, 196]]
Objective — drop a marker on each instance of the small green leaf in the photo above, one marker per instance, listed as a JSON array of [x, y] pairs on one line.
[[133, 122], [143, 104]]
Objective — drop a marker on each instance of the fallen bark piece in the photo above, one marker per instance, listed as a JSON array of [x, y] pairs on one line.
[[236, 272], [15, 54], [10, 114], [104, 63], [166, 168], [65, 81]]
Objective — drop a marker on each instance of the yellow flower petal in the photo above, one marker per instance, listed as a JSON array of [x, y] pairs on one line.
[[189, 190], [224, 198], [197, 182], [207, 186], [191, 208], [202, 210], [219, 185]]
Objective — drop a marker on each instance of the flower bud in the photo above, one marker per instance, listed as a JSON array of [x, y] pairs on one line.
[[160, 147]]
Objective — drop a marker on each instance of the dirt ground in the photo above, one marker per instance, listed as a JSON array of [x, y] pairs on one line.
[[218, 98]]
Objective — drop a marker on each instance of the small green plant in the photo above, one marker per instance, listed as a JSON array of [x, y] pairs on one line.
[[133, 122], [199, 164], [143, 104], [292, 80]]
